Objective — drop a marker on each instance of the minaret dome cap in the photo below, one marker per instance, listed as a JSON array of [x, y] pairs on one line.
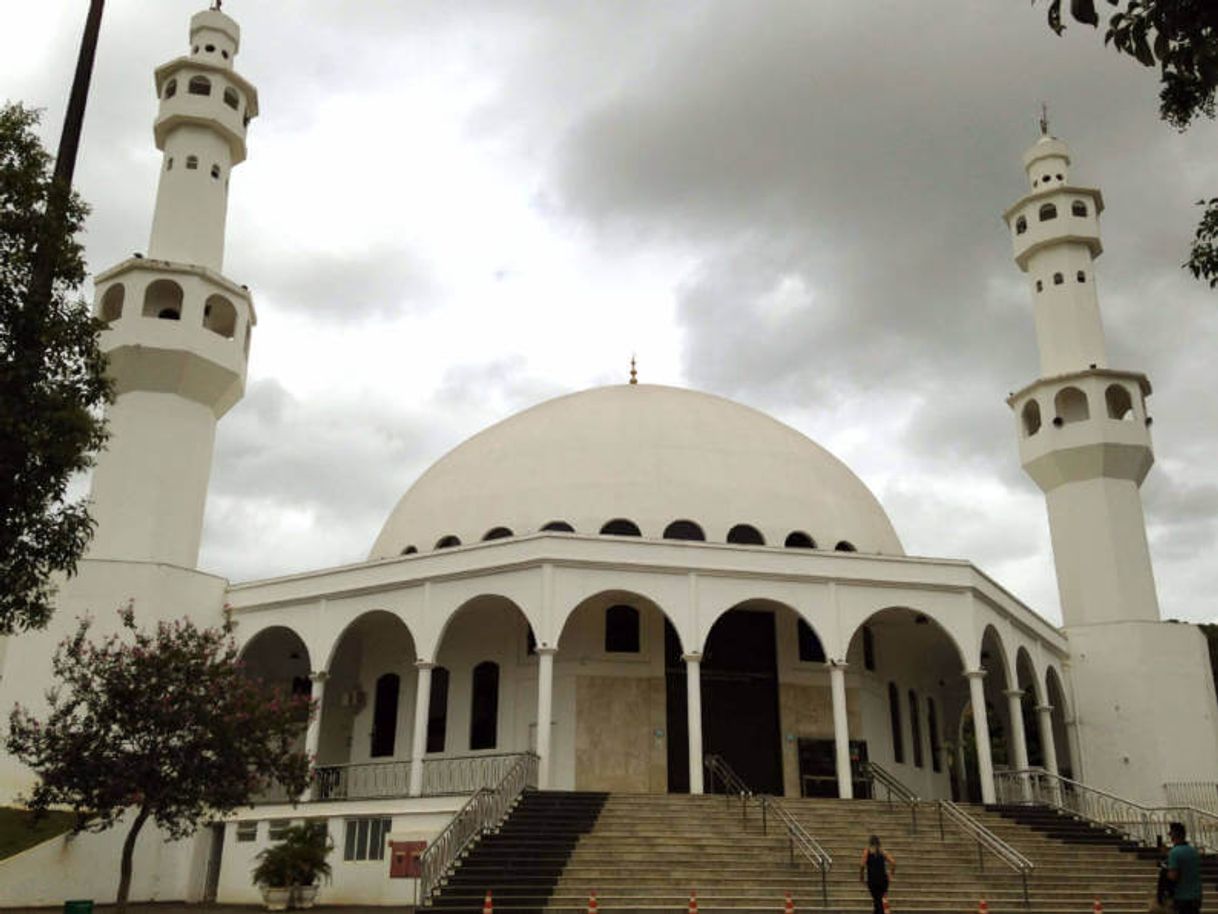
[[1047, 147], [216, 23]]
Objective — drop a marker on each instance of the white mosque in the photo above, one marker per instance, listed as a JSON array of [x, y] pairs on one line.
[[625, 580]]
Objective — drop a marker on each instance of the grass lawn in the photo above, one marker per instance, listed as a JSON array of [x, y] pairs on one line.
[[16, 834]]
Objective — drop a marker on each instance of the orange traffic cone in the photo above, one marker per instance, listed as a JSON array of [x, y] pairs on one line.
[[487, 906], [982, 907], [693, 901], [1098, 907], [789, 907], [592, 909]]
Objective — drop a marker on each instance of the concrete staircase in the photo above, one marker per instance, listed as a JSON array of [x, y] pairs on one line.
[[644, 853]]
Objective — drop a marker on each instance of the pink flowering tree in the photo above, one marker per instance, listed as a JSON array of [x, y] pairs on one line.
[[163, 722]]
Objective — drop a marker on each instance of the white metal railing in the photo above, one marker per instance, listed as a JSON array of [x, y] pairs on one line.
[[799, 840], [480, 814], [1141, 824], [1198, 794], [441, 777]]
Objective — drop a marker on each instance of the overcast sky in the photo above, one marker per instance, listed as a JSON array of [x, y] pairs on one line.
[[454, 210]]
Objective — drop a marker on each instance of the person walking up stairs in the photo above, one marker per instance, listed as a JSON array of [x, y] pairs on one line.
[[876, 869]]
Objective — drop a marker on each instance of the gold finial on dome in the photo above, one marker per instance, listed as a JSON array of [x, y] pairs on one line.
[[634, 372]]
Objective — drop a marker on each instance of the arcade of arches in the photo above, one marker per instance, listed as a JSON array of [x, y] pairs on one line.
[[634, 709]]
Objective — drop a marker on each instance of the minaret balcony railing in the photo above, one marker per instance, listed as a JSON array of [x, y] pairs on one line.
[[1056, 215]]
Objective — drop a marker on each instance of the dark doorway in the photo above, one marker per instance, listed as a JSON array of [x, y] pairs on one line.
[[385, 715], [214, 855], [818, 768], [740, 698]]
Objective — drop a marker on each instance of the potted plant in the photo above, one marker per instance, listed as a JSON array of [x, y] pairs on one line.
[[288, 872]]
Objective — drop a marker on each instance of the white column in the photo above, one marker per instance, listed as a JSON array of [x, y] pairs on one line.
[[841, 729], [981, 730], [422, 705], [545, 703], [693, 699], [1020, 738], [1044, 715], [313, 734]]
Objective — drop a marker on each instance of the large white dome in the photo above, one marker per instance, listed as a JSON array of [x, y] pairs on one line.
[[648, 454]]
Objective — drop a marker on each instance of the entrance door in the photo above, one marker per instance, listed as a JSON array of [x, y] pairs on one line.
[[678, 711], [212, 885], [740, 698], [385, 715]]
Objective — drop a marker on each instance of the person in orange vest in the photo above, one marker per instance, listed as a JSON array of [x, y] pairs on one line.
[[876, 869]]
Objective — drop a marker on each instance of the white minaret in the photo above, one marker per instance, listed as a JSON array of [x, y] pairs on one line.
[[1084, 432], [179, 331], [1143, 708]]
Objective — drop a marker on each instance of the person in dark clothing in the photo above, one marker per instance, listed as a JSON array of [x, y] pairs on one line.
[[1165, 888], [1184, 870], [876, 869]]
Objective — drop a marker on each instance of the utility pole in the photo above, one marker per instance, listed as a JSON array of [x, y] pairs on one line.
[[65, 166]]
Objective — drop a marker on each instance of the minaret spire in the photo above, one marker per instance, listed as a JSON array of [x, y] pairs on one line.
[[178, 331]]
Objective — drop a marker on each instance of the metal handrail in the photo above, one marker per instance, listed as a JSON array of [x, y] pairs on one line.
[[481, 813], [1139, 823], [798, 837], [895, 788], [442, 776], [986, 840]]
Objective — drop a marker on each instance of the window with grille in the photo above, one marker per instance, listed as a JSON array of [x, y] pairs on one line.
[[364, 839]]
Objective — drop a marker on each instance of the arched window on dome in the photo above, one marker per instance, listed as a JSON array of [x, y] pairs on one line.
[[810, 648], [844, 546], [559, 526], [437, 710], [1118, 401], [410, 550], [683, 530], [894, 715], [797, 539], [1071, 406], [163, 299], [447, 542], [1031, 418], [1078, 208], [112, 303], [745, 535], [621, 630], [1021, 225], [915, 729], [497, 533], [621, 527], [385, 715], [199, 85], [484, 707]]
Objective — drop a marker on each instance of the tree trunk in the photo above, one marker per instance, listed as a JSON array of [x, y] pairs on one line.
[[124, 878]]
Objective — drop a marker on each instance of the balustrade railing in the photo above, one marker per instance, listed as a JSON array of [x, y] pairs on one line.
[[1198, 794], [480, 814], [441, 777], [1141, 824]]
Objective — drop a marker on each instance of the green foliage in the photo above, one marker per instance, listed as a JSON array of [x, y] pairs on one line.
[[164, 722], [298, 860], [1180, 37], [52, 383]]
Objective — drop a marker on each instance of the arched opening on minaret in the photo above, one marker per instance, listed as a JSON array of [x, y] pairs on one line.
[[171, 88], [1021, 225], [231, 98], [112, 303], [1047, 211], [1120, 404], [1071, 405], [1078, 208], [1031, 418], [220, 316], [199, 85], [163, 300]]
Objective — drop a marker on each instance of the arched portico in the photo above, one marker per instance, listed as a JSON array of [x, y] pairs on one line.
[[277, 657], [906, 671], [617, 697], [1054, 717], [1030, 698]]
